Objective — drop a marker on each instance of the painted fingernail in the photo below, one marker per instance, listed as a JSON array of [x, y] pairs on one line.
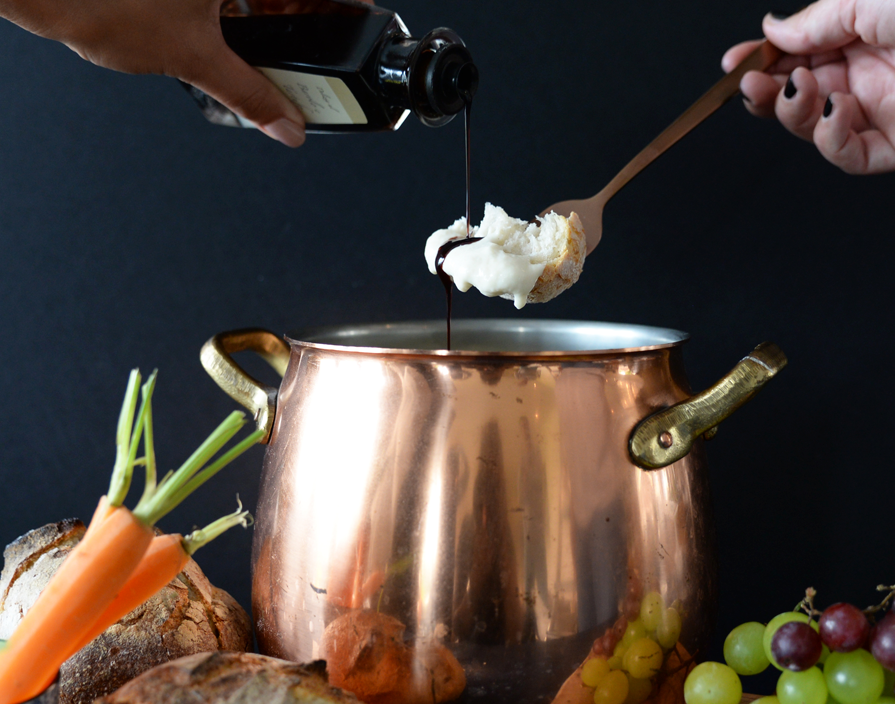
[[828, 107], [790, 89], [285, 131], [779, 15]]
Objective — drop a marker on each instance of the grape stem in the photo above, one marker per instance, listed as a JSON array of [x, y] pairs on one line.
[[807, 604], [870, 610]]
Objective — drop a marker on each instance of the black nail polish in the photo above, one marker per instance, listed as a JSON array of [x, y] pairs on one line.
[[828, 107], [790, 90], [779, 15]]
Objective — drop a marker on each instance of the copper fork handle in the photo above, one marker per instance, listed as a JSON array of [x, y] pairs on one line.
[[764, 56]]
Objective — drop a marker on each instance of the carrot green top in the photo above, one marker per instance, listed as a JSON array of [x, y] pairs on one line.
[[160, 497]]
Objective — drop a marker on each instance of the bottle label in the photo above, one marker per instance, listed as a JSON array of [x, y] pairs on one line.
[[323, 100]]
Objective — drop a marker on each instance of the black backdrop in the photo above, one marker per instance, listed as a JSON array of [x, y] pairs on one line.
[[131, 230]]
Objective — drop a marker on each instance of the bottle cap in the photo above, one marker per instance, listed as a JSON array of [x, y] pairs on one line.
[[451, 77]]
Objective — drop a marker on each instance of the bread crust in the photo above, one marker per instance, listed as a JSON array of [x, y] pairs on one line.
[[563, 270], [228, 678]]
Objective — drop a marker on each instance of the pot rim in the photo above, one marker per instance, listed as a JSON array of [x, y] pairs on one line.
[[620, 338]]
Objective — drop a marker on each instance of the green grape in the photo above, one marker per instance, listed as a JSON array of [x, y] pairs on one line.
[[651, 609], [805, 687], [744, 649], [855, 677], [669, 628], [612, 689], [713, 683], [774, 624], [643, 658], [594, 670], [635, 631], [885, 700], [638, 690], [616, 662], [770, 699]]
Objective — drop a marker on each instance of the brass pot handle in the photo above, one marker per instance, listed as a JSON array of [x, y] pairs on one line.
[[260, 399], [668, 435]]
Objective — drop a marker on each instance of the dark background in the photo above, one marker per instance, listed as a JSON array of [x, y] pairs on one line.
[[131, 230]]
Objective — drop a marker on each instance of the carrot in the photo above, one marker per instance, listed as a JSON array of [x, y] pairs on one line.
[[103, 509], [165, 558], [75, 602], [161, 562], [87, 581], [84, 585]]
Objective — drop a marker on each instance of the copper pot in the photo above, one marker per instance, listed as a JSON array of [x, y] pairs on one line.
[[512, 499]]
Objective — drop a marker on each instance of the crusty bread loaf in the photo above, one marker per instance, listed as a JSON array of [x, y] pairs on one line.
[[523, 261], [227, 678], [187, 616]]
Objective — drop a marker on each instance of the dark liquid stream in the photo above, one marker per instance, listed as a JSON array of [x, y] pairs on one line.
[[453, 244], [467, 114], [445, 279]]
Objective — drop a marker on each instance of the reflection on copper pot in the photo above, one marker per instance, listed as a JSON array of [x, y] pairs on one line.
[[484, 498]]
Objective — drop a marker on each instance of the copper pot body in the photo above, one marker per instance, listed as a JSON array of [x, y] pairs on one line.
[[485, 499]]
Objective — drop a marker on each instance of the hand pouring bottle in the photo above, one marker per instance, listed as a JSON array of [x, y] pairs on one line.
[[347, 65]]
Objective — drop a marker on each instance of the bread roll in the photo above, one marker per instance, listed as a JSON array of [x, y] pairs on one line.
[[366, 654], [526, 262]]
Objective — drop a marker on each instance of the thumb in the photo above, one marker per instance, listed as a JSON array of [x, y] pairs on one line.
[[247, 92], [822, 26]]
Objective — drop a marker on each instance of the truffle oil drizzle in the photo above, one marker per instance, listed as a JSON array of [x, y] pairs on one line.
[[453, 244]]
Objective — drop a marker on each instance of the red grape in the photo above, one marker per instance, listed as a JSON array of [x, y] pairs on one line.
[[796, 646], [843, 627], [619, 628], [882, 641]]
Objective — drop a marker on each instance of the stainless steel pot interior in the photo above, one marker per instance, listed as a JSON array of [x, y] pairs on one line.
[[495, 335]]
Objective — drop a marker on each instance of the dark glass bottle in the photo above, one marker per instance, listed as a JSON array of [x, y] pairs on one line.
[[349, 66]]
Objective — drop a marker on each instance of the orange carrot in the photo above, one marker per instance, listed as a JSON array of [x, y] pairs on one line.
[[103, 509], [165, 558], [81, 589], [162, 562], [78, 599]]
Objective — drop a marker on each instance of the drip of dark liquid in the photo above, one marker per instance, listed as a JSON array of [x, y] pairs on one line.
[[453, 244], [445, 279], [467, 114]]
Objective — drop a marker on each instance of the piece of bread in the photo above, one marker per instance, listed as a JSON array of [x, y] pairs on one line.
[[187, 616], [366, 654], [564, 267], [525, 262], [228, 678]]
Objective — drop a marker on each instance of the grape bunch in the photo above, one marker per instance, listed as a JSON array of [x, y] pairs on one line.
[[834, 656], [628, 662]]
